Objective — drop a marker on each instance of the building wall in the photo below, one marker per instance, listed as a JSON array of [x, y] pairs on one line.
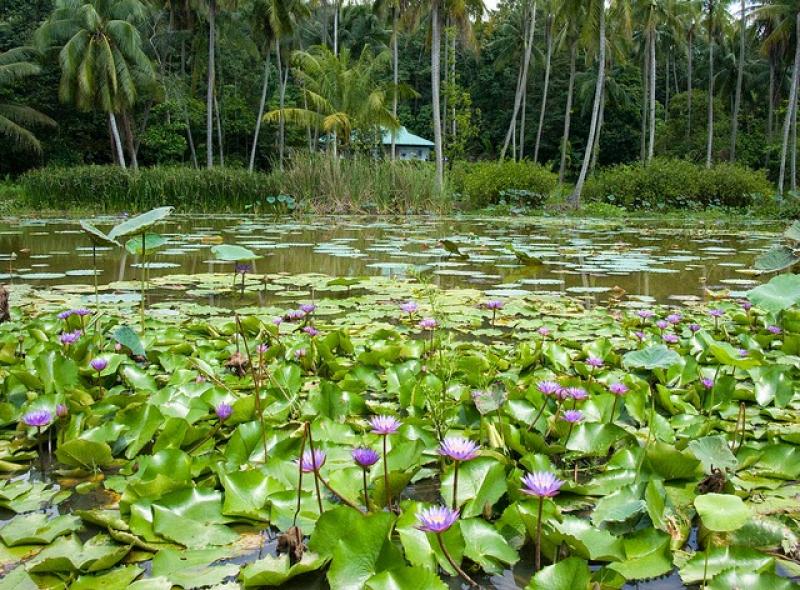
[[409, 152]]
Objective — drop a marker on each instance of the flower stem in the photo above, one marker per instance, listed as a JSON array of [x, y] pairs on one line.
[[299, 477], [705, 569], [386, 477], [316, 467], [455, 485], [41, 453], [614, 408], [366, 493], [538, 549], [538, 415], [452, 562]]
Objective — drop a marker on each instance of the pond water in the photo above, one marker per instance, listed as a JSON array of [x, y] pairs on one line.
[[644, 261]]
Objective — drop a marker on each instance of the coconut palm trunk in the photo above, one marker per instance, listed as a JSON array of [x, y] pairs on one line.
[[261, 104], [710, 123], [575, 198], [212, 36], [284, 77], [787, 122], [651, 141], [645, 98], [395, 74], [112, 121], [689, 41], [573, 53], [737, 101], [547, 63], [436, 47], [522, 82]]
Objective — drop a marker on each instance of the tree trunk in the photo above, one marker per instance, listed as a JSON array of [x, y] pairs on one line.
[[336, 27], [793, 150], [573, 51], [575, 198], [129, 140], [737, 101], [523, 116], [770, 108], [787, 123], [261, 105], [601, 118], [219, 132], [710, 124], [284, 78], [112, 120], [652, 116], [548, 60], [645, 98], [523, 81], [395, 75], [436, 47], [212, 36], [689, 83]]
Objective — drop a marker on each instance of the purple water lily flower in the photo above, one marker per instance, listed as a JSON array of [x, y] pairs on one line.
[[242, 268], [577, 393], [743, 352], [716, 313], [645, 313], [262, 348], [65, 314], [640, 335], [674, 318], [409, 307], [427, 323], [365, 457], [300, 353], [277, 321], [707, 382], [82, 312], [312, 462], [67, 338], [618, 388], [662, 324], [458, 448], [544, 331], [223, 411], [695, 327], [295, 314], [548, 387], [493, 304], [384, 425], [200, 379], [594, 362], [99, 364], [774, 330], [436, 519], [61, 411], [746, 305], [311, 331], [37, 418], [541, 484], [670, 338], [308, 308], [572, 416]]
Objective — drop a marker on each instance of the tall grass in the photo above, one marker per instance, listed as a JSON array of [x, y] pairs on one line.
[[317, 182], [362, 185]]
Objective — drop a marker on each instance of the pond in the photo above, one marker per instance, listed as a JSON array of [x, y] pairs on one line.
[[616, 400], [645, 261]]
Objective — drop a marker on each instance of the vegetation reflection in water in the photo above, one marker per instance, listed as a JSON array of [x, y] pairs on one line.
[[386, 433]]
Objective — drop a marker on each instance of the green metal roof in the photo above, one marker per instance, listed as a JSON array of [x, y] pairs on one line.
[[403, 137]]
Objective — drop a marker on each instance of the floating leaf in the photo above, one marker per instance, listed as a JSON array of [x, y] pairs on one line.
[[233, 253], [721, 512], [653, 357], [140, 223], [779, 294]]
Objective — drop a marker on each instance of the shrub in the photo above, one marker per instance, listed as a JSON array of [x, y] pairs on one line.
[[484, 182], [670, 183]]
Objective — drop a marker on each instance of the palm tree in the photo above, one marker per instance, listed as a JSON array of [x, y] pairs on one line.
[[14, 118], [102, 61], [436, 76], [710, 4], [273, 19], [343, 94], [739, 78], [571, 13], [548, 36], [594, 7]]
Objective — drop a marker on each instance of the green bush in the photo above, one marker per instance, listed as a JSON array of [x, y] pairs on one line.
[[110, 188], [671, 183], [483, 182]]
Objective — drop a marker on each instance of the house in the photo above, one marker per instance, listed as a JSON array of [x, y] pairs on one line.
[[407, 145]]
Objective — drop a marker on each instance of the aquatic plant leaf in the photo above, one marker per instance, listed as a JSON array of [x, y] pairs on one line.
[[116, 579], [37, 528], [96, 236], [569, 574], [129, 339], [84, 453], [652, 357], [276, 570], [589, 541], [192, 518], [68, 554], [406, 578], [246, 493], [647, 555], [481, 483], [192, 568], [777, 259], [139, 223], [741, 577], [364, 551], [670, 463], [148, 245], [724, 558], [713, 451], [485, 546], [793, 232], [233, 253], [726, 354], [773, 383], [18, 579], [780, 293], [721, 512]]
